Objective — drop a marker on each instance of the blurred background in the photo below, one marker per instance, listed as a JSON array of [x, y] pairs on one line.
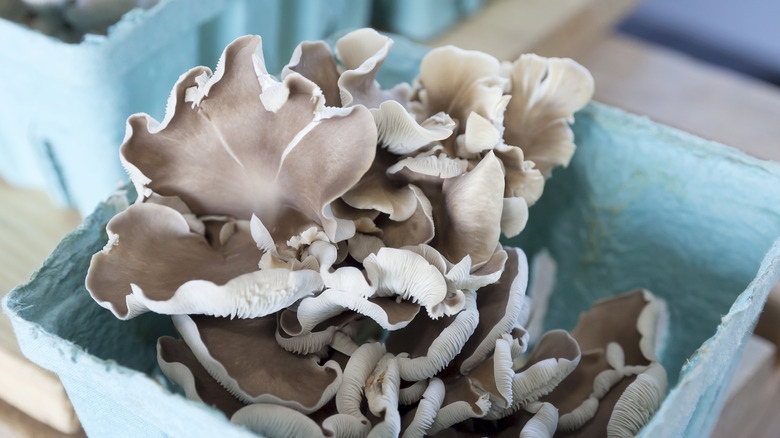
[[709, 67]]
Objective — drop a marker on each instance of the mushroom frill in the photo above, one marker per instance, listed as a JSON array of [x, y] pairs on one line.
[[329, 250]]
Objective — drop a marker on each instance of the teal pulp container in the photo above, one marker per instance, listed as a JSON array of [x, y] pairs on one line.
[[640, 205], [64, 106]]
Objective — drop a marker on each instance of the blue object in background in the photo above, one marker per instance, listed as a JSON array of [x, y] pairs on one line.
[[641, 205], [282, 24], [421, 20], [243, 17], [311, 20], [742, 36]]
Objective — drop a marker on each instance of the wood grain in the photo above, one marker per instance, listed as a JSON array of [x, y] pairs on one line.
[[16, 424], [30, 227], [508, 28], [680, 91], [754, 384]]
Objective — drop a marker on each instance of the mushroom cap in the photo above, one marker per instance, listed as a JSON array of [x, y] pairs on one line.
[[628, 319], [417, 229], [375, 191], [313, 60], [215, 272], [469, 220], [460, 82], [501, 307], [284, 134], [546, 92], [429, 345], [400, 133], [182, 367], [555, 357], [243, 356], [362, 52], [618, 368]]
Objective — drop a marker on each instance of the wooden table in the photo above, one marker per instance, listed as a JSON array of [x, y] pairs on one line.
[[30, 226], [641, 78]]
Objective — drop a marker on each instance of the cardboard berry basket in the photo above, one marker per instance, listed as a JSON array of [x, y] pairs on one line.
[[65, 105], [640, 205]]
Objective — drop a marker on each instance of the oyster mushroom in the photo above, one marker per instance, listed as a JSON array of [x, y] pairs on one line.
[[182, 367], [313, 60], [387, 312], [618, 363], [361, 365], [321, 255], [461, 402], [419, 421], [400, 134], [375, 192], [472, 207], [266, 373], [284, 135], [396, 283], [362, 52], [546, 92], [290, 337], [502, 307], [215, 275], [381, 390], [536, 420], [275, 421], [459, 83], [417, 229], [426, 346], [554, 358]]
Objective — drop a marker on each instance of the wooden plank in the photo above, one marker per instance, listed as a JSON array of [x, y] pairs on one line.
[[508, 28], [748, 393], [766, 422], [16, 424], [680, 91], [768, 326], [30, 227]]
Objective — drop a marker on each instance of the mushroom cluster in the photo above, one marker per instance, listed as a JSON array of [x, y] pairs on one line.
[[329, 250]]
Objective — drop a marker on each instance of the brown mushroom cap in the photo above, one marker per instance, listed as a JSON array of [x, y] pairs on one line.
[[628, 320], [546, 92], [417, 229], [501, 307], [313, 60], [362, 52], [135, 273], [429, 345], [459, 82], [182, 367], [618, 333], [555, 357], [284, 135], [242, 354]]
